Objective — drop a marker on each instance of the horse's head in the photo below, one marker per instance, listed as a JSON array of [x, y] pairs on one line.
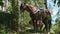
[[26, 6], [23, 7]]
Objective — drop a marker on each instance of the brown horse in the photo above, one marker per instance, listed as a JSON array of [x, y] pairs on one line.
[[38, 16]]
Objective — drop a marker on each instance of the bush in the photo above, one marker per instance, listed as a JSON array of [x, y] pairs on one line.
[[7, 21]]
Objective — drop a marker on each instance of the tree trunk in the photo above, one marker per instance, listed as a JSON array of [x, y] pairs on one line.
[[6, 5], [35, 2], [46, 4]]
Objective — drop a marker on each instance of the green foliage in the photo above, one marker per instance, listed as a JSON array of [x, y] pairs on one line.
[[54, 1], [41, 3], [49, 18], [56, 27], [58, 1], [15, 12], [0, 0], [1, 3], [10, 8], [10, 20], [26, 0], [27, 16], [7, 22]]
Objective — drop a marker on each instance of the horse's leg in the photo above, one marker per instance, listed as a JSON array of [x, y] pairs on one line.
[[36, 28], [48, 29], [48, 26], [33, 22], [34, 25], [40, 24]]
